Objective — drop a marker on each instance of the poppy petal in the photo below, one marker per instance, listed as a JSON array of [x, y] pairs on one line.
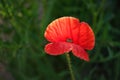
[[62, 29], [57, 48], [86, 36], [80, 52]]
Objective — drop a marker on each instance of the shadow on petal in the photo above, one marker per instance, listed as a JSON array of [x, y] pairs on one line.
[[80, 52], [58, 48]]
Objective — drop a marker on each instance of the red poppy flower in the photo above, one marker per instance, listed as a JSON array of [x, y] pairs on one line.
[[69, 34]]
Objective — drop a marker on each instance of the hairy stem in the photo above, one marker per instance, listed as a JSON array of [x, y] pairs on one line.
[[70, 66]]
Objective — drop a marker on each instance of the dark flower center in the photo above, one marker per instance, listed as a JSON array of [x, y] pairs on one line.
[[69, 40]]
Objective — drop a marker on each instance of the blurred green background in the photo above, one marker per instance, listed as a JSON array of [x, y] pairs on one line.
[[22, 25]]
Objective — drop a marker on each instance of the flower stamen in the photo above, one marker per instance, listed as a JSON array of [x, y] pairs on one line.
[[69, 40]]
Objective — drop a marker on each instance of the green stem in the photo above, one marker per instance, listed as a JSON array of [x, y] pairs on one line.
[[70, 66]]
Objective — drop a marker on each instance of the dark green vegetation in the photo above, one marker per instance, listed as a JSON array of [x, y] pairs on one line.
[[22, 25]]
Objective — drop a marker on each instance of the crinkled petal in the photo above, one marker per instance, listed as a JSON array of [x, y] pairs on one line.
[[80, 52], [86, 36], [62, 29], [57, 48]]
